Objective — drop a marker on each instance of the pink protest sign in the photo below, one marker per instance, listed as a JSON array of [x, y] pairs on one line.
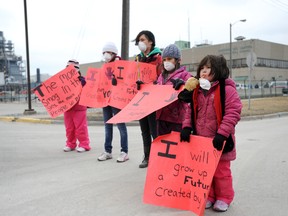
[[60, 92], [97, 91], [179, 174], [126, 74], [148, 99]]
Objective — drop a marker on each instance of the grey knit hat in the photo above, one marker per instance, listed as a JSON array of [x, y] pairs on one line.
[[171, 51]]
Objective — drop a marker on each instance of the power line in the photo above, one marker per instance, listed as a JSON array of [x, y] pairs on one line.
[[278, 4], [82, 31]]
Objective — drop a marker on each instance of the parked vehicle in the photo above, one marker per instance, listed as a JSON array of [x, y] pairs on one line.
[[278, 84], [241, 86]]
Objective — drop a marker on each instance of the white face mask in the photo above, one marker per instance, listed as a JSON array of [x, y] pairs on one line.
[[107, 57], [142, 46], [204, 83], [169, 66]]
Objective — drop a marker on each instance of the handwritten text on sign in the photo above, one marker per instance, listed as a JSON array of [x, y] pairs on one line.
[[100, 92], [148, 99], [60, 92], [97, 91], [179, 173], [127, 73]]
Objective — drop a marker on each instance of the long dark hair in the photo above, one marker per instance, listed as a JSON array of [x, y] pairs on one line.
[[218, 64]]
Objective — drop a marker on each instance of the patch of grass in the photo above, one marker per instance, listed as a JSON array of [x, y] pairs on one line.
[[262, 106]]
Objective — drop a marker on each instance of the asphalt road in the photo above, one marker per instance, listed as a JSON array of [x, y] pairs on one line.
[[38, 178]]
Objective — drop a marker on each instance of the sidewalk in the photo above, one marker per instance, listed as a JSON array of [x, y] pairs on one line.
[[14, 112]]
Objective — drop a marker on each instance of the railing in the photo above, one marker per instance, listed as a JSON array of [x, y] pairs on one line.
[[260, 92], [257, 89]]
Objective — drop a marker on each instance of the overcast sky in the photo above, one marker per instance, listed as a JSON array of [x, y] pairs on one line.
[[63, 29]]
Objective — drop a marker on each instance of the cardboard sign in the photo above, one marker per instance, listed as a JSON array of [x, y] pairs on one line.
[[179, 174], [126, 74], [97, 91], [148, 99], [60, 92]]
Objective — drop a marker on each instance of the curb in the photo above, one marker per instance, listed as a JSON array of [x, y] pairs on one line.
[[133, 123], [51, 121], [7, 118], [273, 115], [31, 120]]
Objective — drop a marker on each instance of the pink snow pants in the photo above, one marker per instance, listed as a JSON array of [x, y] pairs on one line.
[[222, 187], [76, 127]]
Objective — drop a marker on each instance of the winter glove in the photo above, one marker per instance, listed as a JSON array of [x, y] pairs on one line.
[[177, 83], [139, 83], [218, 141], [191, 84], [185, 96], [185, 134], [82, 80], [114, 80]]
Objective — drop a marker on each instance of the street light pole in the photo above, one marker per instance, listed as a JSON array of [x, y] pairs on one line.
[[28, 111], [230, 62]]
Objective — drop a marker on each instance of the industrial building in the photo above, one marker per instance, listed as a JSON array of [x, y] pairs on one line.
[[11, 66], [271, 61]]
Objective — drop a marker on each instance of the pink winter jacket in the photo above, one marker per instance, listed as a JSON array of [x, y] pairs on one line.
[[206, 118], [174, 111]]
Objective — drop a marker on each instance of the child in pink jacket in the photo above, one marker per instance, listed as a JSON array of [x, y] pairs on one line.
[[215, 111], [75, 121], [170, 118]]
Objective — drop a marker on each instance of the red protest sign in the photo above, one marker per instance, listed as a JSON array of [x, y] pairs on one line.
[[60, 92], [97, 91], [126, 74], [179, 174], [148, 99]]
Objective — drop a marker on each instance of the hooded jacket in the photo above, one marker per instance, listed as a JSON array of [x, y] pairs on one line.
[[154, 57], [174, 111], [208, 114]]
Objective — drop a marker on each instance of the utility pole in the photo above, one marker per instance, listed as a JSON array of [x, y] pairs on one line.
[[28, 111], [230, 44], [125, 29]]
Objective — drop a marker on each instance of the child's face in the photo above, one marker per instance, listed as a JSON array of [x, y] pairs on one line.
[[145, 40], [205, 72]]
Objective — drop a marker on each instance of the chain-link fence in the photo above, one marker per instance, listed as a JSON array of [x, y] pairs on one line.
[[257, 89], [15, 92], [262, 88]]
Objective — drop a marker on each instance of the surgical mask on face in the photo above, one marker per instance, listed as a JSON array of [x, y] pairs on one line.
[[169, 66], [107, 57], [204, 83], [142, 46]]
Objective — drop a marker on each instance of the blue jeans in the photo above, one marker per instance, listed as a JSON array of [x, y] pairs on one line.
[[109, 112]]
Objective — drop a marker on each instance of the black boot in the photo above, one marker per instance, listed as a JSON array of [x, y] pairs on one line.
[[144, 163]]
